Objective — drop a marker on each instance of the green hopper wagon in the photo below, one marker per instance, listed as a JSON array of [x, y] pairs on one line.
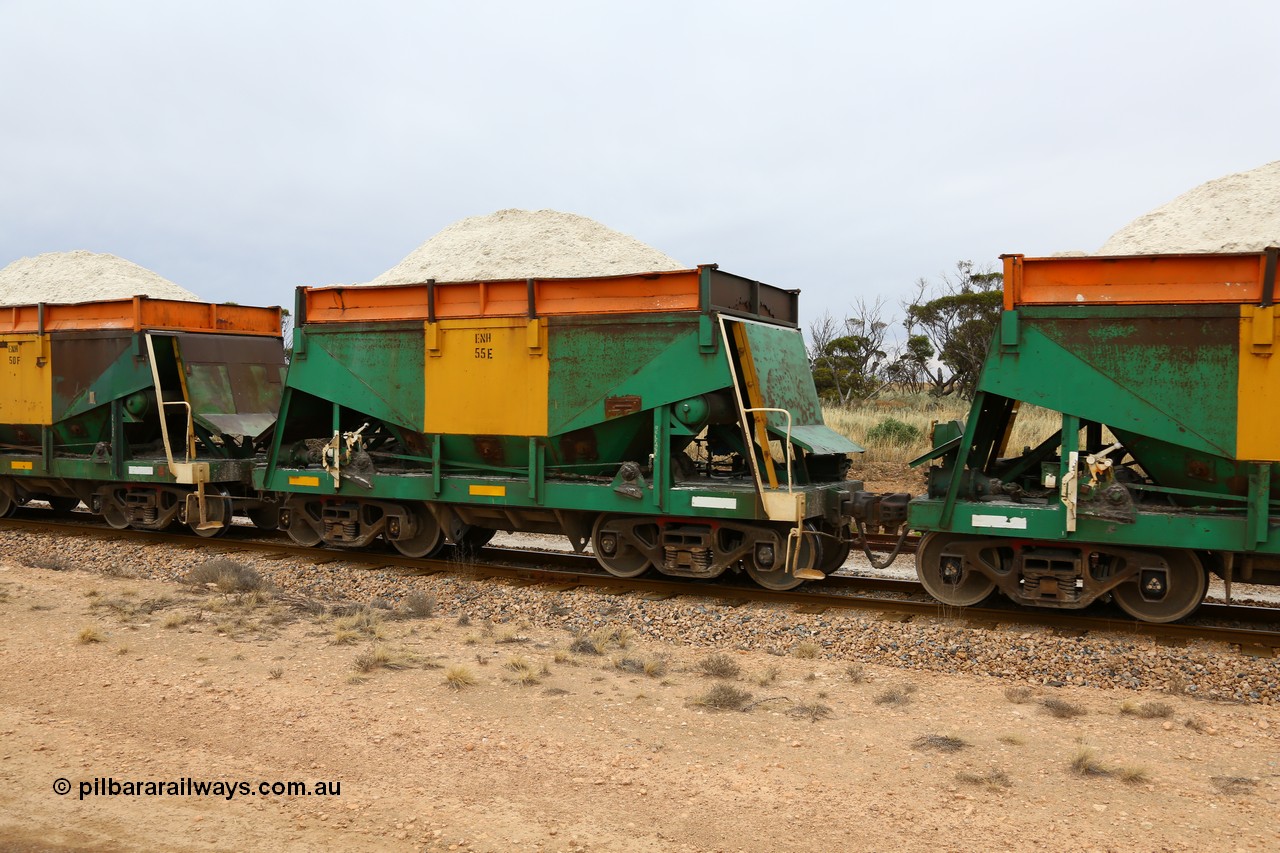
[[668, 419], [1165, 371]]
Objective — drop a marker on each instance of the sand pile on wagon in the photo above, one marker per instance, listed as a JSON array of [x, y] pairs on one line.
[[82, 276], [1234, 213], [526, 244]]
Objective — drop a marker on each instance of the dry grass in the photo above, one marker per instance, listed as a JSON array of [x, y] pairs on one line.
[[601, 641], [90, 634], [127, 607], [458, 677], [812, 711], [226, 576], [380, 657], [364, 623], [275, 673], [1018, 695], [1085, 762], [655, 667], [1233, 785], [898, 695], [175, 620], [652, 667], [1147, 710], [768, 675], [806, 650], [511, 636], [919, 411], [940, 743], [1199, 725], [419, 605], [1061, 708], [992, 779], [856, 673], [723, 697], [718, 665], [1133, 775], [1011, 740]]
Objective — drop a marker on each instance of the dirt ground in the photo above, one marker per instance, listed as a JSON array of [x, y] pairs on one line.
[[553, 748]]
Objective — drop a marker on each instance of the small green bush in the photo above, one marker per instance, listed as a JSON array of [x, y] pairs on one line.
[[893, 431]]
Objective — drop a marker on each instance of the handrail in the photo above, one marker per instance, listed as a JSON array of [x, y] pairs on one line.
[[164, 422]]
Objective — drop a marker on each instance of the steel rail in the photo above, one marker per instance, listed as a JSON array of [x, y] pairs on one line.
[[578, 570]]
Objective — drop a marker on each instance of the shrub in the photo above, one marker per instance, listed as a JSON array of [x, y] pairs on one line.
[[724, 697], [1148, 710], [1061, 708], [226, 575], [893, 431], [993, 778], [896, 695], [940, 743], [419, 604], [1018, 695], [806, 650], [719, 665]]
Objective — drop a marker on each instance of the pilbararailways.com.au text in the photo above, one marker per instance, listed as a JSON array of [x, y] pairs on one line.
[[106, 786]]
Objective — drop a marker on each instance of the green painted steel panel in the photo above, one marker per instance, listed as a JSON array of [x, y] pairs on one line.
[[1171, 377], [782, 365], [591, 497], [372, 369], [91, 371], [660, 357], [1201, 531], [820, 439]]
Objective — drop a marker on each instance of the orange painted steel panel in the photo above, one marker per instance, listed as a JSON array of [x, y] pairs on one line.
[[622, 294], [1133, 279], [141, 313]]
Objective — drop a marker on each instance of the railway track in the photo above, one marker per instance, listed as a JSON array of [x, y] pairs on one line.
[[1254, 629]]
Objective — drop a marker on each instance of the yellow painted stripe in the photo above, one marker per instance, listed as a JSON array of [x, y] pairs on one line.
[[20, 466], [304, 481], [1258, 403], [490, 491]]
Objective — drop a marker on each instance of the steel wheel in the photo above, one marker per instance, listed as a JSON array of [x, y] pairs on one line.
[[427, 538], [1157, 595], [617, 556], [113, 513], [63, 505], [217, 509], [834, 552], [809, 555], [7, 504], [946, 577]]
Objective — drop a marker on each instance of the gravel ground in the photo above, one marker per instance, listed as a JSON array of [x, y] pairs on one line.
[[1022, 654]]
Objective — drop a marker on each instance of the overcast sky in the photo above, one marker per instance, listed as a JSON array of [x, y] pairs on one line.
[[845, 148]]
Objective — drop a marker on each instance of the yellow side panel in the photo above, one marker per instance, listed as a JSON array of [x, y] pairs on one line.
[[1258, 409], [488, 491], [486, 377], [26, 380]]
